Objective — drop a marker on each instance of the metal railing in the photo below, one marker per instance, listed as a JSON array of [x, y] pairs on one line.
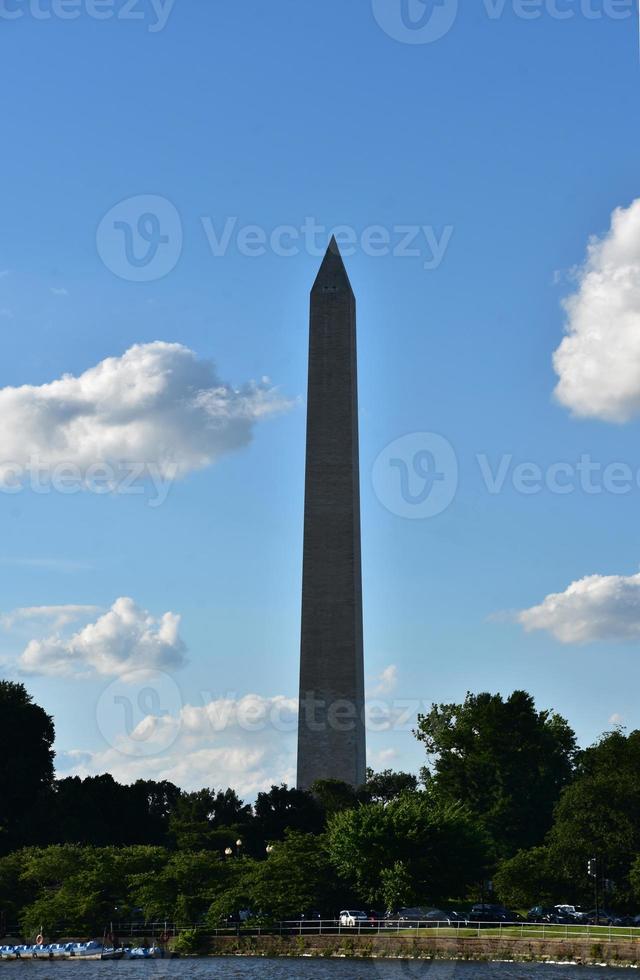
[[130, 932]]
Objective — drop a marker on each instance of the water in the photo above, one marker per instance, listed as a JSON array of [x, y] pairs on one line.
[[294, 969]]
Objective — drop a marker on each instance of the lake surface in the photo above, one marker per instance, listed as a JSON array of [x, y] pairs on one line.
[[292, 969]]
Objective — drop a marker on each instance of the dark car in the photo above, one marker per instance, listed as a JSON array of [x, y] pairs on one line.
[[418, 918], [459, 918], [547, 913], [602, 917], [485, 912]]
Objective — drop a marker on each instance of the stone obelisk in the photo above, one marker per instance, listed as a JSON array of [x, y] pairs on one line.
[[331, 732]]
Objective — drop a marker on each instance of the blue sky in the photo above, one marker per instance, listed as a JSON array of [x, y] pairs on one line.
[[512, 140]]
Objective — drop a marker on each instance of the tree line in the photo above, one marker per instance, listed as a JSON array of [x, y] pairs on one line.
[[506, 801]]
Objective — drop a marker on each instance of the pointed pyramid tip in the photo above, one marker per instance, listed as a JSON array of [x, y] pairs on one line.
[[332, 272]]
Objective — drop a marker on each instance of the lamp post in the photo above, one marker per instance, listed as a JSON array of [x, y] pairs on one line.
[[238, 846], [269, 848], [592, 871], [228, 852]]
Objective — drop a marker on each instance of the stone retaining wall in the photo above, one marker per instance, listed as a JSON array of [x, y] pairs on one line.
[[623, 952]]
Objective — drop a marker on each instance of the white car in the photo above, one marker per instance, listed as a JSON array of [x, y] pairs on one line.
[[353, 918], [574, 911]]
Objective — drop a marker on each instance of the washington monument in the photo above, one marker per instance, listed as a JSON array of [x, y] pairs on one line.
[[331, 734]]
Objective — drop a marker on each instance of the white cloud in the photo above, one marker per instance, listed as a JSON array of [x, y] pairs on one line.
[[386, 681], [123, 641], [598, 362], [245, 742], [616, 719], [598, 607], [384, 758], [248, 742], [56, 616], [156, 405]]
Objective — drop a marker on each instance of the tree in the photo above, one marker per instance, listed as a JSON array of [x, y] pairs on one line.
[[382, 787], [532, 878], [206, 819], [506, 760], [297, 877], [437, 849], [191, 823], [182, 888], [283, 809], [334, 795], [26, 764], [598, 816]]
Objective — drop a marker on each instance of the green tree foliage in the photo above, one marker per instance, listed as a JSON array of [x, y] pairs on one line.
[[506, 760], [382, 787], [182, 888], [333, 795], [532, 877], [283, 809], [396, 886], [85, 888], [599, 814], [438, 844], [26, 765], [296, 878]]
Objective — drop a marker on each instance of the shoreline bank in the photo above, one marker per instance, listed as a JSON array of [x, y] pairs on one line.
[[587, 953]]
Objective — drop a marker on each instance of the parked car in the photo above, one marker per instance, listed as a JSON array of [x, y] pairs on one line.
[[419, 917], [575, 912], [603, 918], [352, 918], [486, 912], [459, 918], [548, 913]]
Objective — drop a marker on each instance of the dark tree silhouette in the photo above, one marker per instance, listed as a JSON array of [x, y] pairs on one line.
[[26, 764]]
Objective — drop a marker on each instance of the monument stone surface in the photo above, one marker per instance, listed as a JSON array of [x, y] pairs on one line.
[[331, 731]]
